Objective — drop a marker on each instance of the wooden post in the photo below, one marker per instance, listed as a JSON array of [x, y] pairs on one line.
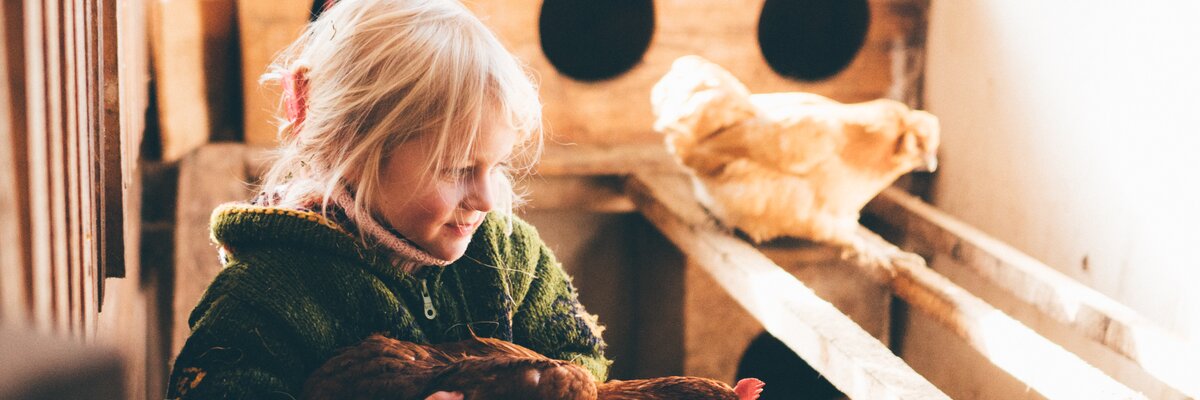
[[858, 364], [266, 28], [213, 175], [1162, 355]]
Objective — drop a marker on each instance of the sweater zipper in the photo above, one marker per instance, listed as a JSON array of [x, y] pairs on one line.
[[430, 312]]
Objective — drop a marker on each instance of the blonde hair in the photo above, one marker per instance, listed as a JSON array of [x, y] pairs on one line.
[[384, 72]]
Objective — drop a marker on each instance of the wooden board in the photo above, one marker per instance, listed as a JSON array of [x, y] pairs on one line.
[[858, 364], [1017, 350], [14, 247], [265, 28], [212, 175], [927, 230], [723, 31], [190, 40]]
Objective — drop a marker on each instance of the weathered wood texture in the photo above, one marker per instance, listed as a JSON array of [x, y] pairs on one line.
[[849, 357], [931, 232], [61, 219], [717, 329], [265, 28], [191, 40], [1037, 362], [212, 175], [14, 182], [723, 31]]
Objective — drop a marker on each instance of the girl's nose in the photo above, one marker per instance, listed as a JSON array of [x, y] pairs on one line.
[[481, 194]]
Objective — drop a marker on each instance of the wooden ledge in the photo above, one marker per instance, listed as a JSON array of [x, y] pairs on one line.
[[928, 231], [853, 360]]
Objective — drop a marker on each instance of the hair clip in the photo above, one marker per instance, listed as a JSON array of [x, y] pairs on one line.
[[295, 96]]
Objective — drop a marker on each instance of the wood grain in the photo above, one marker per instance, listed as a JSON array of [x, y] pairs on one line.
[[858, 364], [212, 175], [1099, 318], [14, 247], [266, 28], [723, 31]]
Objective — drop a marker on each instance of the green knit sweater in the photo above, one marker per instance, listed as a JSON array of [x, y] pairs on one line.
[[296, 287]]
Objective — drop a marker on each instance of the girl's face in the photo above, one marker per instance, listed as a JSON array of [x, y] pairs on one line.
[[441, 217]]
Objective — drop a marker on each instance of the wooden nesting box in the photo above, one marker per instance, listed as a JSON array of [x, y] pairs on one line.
[[617, 110]]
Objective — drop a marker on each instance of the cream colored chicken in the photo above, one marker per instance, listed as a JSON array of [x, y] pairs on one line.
[[787, 164]]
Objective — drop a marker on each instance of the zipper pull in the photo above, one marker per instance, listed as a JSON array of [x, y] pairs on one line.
[[430, 313]]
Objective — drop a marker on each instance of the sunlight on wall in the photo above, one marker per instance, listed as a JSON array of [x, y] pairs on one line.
[[1070, 132]]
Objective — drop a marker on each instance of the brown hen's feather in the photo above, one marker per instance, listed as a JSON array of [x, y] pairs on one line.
[[482, 368]]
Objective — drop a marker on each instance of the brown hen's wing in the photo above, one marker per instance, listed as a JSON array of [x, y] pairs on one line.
[[480, 347], [376, 368], [505, 377], [667, 388]]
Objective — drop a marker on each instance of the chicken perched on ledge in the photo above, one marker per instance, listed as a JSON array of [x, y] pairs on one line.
[[385, 368], [787, 164]]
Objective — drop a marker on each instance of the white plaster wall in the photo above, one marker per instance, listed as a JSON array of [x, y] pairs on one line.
[[1070, 131]]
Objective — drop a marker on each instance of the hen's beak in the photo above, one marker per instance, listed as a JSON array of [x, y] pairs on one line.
[[930, 163]]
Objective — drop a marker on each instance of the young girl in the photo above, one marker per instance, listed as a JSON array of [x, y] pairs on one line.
[[387, 210]]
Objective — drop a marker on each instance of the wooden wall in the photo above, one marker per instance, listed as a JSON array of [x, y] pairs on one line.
[[724, 31], [74, 101]]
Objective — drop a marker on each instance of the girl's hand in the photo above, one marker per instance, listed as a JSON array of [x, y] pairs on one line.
[[445, 396]]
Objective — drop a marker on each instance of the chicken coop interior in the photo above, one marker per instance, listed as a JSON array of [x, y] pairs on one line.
[[1044, 254]]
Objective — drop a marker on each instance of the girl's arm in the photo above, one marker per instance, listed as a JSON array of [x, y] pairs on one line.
[[551, 321], [236, 352]]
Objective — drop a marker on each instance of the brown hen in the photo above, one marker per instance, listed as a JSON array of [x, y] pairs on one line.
[[787, 164], [482, 368]]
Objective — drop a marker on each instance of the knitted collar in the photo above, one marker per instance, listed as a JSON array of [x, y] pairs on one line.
[[401, 253]]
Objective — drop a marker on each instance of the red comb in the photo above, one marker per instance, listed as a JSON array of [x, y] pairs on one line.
[[748, 389], [295, 96]]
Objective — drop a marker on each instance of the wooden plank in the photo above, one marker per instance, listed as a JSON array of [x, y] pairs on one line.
[[214, 174], [599, 159], [1035, 361], [14, 247], [1161, 354], [724, 31], [72, 95], [858, 364], [110, 157], [266, 28], [56, 101], [177, 39], [602, 194], [39, 174]]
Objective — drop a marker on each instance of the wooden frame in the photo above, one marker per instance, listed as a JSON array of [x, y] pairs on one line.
[[933, 233]]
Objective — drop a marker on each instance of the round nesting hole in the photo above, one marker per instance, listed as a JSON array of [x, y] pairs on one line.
[[786, 374], [592, 40], [812, 40]]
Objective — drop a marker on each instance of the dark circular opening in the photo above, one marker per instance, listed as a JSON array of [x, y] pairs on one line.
[[812, 39], [786, 374], [594, 40]]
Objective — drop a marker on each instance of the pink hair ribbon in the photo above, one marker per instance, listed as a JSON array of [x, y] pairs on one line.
[[295, 96]]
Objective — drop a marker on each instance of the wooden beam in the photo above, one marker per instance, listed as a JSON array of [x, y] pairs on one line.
[[585, 159], [14, 210], [266, 28], [858, 364], [214, 174], [1161, 354], [602, 194], [1034, 360]]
